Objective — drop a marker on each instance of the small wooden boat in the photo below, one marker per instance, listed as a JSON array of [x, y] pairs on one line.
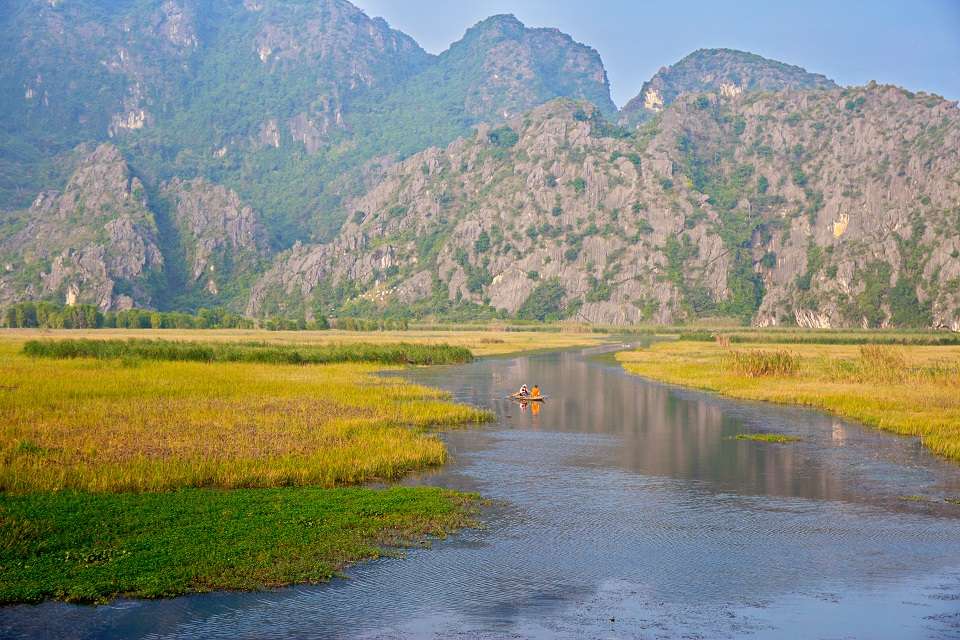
[[520, 398]]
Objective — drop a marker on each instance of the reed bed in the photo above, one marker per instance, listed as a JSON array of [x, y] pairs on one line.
[[910, 390], [481, 343], [116, 425], [759, 364], [398, 353]]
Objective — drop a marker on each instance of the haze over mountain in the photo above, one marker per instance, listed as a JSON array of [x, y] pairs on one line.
[[300, 159]]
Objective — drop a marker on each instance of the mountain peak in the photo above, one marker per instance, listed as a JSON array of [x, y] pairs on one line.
[[728, 71], [505, 23]]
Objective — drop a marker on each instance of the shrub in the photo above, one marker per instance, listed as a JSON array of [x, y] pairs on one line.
[[482, 243], [504, 137], [545, 302]]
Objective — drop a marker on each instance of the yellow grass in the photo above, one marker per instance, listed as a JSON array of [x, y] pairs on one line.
[[481, 343], [913, 390], [141, 426]]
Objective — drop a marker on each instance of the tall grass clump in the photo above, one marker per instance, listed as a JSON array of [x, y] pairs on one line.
[[259, 352], [888, 364], [761, 364]]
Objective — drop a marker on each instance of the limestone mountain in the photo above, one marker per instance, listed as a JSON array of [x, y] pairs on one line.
[[724, 71], [283, 101], [95, 242], [830, 207]]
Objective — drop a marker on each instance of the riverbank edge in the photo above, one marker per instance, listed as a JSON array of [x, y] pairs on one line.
[[714, 380]]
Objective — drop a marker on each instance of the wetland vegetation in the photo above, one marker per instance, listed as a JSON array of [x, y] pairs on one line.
[[778, 438], [398, 353], [87, 547], [910, 389], [152, 468]]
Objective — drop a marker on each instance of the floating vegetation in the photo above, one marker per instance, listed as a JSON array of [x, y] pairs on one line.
[[767, 437]]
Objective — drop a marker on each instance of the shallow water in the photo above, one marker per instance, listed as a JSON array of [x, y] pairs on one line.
[[623, 509]]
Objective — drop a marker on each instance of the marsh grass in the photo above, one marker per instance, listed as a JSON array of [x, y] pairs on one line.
[[758, 364], [889, 364], [910, 390], [486, 342], [99, 425], [132, 350], [778, 438]]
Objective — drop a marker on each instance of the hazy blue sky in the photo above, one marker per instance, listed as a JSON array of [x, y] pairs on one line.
[[915, 44]]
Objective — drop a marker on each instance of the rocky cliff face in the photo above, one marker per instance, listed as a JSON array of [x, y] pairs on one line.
[[832, 207], [221, 239], [95, 242], [723, 71]]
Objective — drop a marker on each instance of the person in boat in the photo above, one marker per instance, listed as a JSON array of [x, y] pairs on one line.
[[535, 392], [524, 390]]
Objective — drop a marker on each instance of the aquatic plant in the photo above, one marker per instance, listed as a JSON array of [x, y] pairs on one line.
[[779, 438], [84, 547]]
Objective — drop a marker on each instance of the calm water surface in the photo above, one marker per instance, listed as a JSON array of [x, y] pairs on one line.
[[623, 509]]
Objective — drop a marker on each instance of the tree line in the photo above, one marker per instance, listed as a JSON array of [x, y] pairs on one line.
[[48, 315]]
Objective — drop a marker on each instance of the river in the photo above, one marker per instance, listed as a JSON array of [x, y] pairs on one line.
[[624, 508]]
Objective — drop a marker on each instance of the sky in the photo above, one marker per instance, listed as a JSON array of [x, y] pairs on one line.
[[911, 43]]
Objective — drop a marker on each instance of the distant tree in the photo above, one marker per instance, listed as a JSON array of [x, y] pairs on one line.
[[504, 137], [545, 302]]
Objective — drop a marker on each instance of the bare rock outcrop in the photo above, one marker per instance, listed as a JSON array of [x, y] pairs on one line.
[[95, 242], [222, 239]]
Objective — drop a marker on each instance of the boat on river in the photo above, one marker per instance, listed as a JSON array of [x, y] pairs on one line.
[[526, 398]]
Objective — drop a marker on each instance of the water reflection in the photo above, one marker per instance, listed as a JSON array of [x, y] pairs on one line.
[[623, 508], [666, 431]]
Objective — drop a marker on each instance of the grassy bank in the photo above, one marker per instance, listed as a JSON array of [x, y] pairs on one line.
[[151, 469], [795, 335], [911, 390], [83, 547]]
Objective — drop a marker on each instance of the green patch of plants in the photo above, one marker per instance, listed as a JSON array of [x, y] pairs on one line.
[[84, 547], [503, 137], [545, 303]]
